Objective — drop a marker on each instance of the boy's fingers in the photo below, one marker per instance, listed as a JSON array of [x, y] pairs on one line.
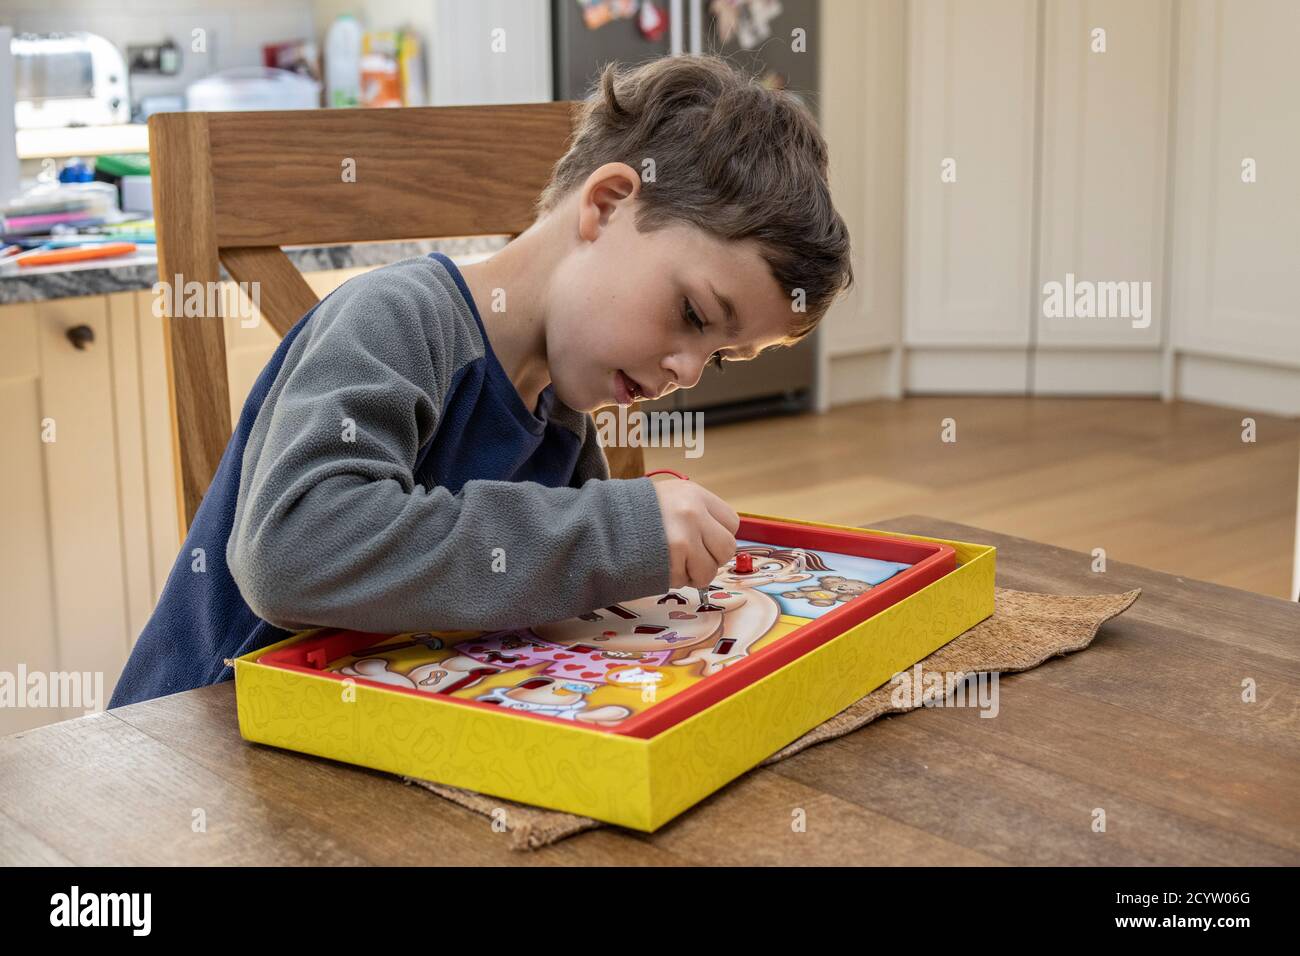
[[702, 536], [722, 511], [677, 575], [700, 572], [721, 544]]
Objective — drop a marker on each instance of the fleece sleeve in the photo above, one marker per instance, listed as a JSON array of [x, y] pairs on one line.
[[331, 528], [592, 462]]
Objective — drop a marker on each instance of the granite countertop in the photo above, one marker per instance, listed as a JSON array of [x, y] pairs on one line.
[[140, 271]]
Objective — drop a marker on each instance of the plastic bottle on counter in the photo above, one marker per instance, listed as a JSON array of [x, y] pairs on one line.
[[76, 171], [343, 62]]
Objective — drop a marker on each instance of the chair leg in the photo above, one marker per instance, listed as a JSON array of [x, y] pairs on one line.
[[625, 462]]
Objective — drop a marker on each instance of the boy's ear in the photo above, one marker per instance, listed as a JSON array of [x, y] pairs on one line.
[[610, 186]]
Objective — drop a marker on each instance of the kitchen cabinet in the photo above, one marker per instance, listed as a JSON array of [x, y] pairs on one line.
[[1235, 206], [1028, 155], [970, 172], [70, 566], [1105, 126], [864, 49]]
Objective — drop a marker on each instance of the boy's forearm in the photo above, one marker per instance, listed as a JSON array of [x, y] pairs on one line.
[[370, 556]]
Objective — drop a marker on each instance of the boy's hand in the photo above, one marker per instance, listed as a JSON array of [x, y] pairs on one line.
[[701, 530]]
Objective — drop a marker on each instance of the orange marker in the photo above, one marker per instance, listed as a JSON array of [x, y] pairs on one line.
[[104, 250]]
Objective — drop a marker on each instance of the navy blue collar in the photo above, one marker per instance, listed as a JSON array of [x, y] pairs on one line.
[[535, 423]]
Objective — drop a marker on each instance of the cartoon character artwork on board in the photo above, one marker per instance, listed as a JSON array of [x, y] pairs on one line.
[[604, 666]]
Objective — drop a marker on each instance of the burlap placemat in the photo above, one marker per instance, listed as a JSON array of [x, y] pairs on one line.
[[1024, 630]]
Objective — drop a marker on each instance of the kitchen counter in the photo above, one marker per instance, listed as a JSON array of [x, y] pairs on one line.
[[140, 271], [81, 141]]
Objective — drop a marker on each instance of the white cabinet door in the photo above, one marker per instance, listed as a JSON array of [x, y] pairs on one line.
[[862, 60], [969, 168], [1100, 287], [1237, 242], [26, 579], [67, 593]]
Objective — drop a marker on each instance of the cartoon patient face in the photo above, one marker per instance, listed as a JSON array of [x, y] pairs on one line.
[[683, 617], [767, 570]]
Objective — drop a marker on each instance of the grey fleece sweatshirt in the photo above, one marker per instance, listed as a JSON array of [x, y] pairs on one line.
[[394, 480]]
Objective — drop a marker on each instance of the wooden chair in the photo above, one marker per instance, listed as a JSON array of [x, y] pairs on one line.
[[232, 188]]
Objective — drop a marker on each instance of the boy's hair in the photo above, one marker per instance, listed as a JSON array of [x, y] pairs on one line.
[[731, 156]]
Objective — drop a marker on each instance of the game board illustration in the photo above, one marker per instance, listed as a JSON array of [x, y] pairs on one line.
[[609, 664]]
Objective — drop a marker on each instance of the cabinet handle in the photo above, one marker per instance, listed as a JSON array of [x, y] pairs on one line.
[[81, 336]]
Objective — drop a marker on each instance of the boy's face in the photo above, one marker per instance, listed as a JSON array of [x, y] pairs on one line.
[[624, 305]]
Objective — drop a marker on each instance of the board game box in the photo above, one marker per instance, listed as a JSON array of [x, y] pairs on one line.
[[586, 714]]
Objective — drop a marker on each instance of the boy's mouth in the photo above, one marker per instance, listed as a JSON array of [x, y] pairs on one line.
[[626, 389]]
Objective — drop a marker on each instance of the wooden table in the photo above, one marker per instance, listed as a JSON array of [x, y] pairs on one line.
[[1148, 724]]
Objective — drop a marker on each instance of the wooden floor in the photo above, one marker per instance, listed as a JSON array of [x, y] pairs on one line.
[[1168, 485]]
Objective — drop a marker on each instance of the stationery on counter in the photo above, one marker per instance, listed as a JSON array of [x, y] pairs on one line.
[[48, 257]]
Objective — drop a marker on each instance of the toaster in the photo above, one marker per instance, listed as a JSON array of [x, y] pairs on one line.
[[68, 79]]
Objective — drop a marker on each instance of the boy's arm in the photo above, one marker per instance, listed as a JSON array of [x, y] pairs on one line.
[[335, 532]]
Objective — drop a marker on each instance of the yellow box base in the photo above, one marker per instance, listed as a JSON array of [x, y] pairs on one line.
[[636, 782]]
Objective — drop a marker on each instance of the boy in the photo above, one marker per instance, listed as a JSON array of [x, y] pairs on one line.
[[419, 452]]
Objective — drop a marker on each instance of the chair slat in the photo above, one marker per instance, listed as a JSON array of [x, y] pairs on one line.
[[282, 177], [283, 294]]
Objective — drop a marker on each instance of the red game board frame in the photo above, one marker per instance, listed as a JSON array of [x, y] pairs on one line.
[[930, 561]]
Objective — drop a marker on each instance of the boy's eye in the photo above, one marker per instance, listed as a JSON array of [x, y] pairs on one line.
[[692, 319]]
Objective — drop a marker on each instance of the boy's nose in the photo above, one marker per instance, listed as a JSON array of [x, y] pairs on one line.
[[686, 372]]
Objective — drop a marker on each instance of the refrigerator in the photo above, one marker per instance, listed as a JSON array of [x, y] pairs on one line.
[[780, 381]]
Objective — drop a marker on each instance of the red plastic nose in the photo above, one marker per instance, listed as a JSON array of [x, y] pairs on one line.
[[744, 563]]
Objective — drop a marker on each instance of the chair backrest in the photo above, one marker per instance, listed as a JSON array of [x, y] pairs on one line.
[[232, 188]]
